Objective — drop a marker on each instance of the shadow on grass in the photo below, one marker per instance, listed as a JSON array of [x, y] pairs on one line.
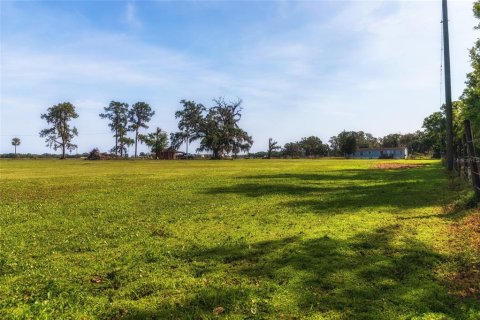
[[372, 275], [369, 276], [349, 189]]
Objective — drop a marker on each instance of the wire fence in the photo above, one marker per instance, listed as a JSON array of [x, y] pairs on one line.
[[467, 163]]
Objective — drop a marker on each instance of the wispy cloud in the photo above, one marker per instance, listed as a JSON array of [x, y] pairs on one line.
[[369, 65], [131, 16]]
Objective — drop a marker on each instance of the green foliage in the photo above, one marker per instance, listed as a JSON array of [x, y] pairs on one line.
[[391, 140], [291, 239], [60, 134], [177, 139], [190, 120], [157, 141], [272, 146], [416, 143], [435, 132], [350, 141], [15, 143], [219, 130], [293, 150], [139, 115], [347, 142], [366, 140], [117, 113], [307, 147], [260, 154], [471, 94], [313, 147]]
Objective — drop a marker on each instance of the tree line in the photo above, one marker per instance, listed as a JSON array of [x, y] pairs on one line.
[[426, 142], [216, 128]]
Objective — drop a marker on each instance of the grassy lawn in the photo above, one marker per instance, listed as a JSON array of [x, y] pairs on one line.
[[279, 239]]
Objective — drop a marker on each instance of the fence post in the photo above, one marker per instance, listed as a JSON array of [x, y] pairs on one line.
[[464, 157], [475, 173]]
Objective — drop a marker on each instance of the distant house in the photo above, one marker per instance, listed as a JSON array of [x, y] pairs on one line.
[[380, 153], [169, 154]]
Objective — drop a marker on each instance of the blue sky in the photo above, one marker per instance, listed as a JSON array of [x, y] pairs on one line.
[[301, 68]]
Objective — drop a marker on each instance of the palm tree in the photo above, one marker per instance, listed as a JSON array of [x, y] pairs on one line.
[[15, 143]]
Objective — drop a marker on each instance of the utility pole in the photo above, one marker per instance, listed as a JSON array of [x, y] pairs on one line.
[[448, 87]]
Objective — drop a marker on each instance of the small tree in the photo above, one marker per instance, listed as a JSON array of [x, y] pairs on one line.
[[157, 141], [60, 135], [139, 115], [15, 143], [436, 132], [272, 146]]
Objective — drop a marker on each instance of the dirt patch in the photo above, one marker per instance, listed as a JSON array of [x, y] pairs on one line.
[[397, 166]]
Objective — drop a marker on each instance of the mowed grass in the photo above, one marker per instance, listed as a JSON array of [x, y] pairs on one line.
[[262, 239]]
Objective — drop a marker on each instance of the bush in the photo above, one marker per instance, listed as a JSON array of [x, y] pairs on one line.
[[94, 155]]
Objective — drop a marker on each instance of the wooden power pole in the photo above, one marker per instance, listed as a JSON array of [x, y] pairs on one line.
[[448, 87]]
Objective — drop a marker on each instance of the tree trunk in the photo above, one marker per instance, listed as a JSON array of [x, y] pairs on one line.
[[63, 151], [136, 138], [15, 150], [116, 142]]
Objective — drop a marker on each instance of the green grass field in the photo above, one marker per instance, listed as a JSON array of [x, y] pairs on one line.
[[279, 239]]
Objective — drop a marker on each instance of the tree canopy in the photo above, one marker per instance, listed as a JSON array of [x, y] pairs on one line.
[[157, 141], [190, 119], [347, 142], [272, 146], [313, 146], [471, 94], [15, 143], [117, 113], [60, 135], [139, 115], [217, 128]]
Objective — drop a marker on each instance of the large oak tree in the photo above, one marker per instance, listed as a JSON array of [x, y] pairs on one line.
[[220, 132]]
